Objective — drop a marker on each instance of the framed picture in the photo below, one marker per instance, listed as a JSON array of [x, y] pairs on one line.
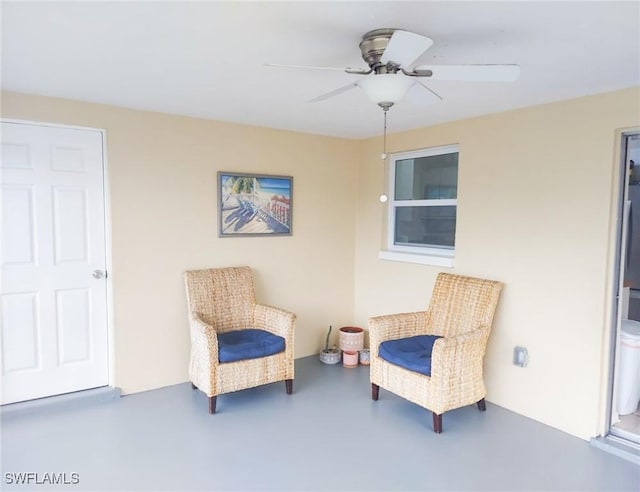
[[254, 204]]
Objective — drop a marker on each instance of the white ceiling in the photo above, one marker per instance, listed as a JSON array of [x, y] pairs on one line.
[[206, 59]]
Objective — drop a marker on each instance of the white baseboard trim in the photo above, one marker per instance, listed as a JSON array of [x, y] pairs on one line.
[[95, 395]]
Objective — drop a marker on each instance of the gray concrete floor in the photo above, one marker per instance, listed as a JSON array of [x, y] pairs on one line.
[[328, 435]]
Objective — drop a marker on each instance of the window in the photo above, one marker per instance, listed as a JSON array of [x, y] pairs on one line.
[[423, 190]]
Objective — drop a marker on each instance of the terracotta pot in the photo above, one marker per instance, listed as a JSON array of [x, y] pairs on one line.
[[351, 338], [350, 359]]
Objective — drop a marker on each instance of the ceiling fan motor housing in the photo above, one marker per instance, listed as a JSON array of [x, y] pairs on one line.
[[372, 47]]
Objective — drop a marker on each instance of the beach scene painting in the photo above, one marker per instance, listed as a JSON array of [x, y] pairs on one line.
[[254, 205]]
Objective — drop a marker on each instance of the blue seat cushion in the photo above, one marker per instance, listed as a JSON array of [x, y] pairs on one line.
[[249, 343], [413, 353]]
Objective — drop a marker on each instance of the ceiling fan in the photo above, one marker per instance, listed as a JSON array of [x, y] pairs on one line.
[[390, 53]]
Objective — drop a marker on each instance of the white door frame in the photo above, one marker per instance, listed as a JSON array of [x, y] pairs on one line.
[[107, 232], [614, 301]]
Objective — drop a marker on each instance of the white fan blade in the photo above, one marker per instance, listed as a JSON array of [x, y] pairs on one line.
[[335, 92], [312, 67], [480, 73], [421, 95], [404, 48]]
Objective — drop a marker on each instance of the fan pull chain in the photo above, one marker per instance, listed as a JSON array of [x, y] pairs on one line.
[[383, 156]]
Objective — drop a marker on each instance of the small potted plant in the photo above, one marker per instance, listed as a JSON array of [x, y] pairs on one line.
[[329, 355], [365, 357]]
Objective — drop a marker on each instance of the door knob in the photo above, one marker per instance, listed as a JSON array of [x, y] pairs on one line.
[[98, 274]]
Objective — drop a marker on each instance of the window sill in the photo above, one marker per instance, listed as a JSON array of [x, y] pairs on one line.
[[444, 260]]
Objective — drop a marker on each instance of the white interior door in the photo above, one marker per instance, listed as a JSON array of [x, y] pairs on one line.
[[53, 305]]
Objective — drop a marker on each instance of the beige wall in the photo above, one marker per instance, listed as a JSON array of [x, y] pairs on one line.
[[534, 208], [162, 174]]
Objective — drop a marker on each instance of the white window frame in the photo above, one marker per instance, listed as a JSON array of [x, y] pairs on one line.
[[415, 254]]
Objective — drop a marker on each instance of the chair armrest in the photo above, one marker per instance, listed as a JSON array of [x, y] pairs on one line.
[[453, 357], [394, 326], [275, 320], [204, 340]]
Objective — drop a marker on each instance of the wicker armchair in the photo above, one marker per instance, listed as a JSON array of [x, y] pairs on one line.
[[225, 321], [459, 317]]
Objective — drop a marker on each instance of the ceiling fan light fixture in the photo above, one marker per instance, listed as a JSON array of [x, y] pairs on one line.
[[386, 89]]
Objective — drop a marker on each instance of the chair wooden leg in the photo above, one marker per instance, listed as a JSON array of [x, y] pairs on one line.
[[289, 385], [482, 406], [375, 391], [212, 404], [193, 386], [437, 423]]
